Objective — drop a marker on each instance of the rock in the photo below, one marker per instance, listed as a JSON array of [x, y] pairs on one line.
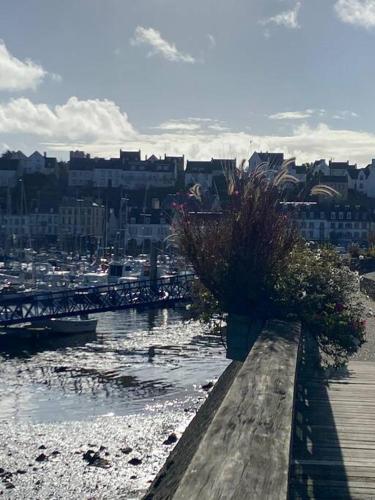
[[94, 459], [126, 450], [133, 477], [42, 447], [102, 448], [9, 486], [172, 438], [55, 453], [61, 369], [2, 470], [20, 471], [41, 458], [135, 461], [101, 462], [208, 386], [88, 455]]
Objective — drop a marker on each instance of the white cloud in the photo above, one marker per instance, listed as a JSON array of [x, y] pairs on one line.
[[176, 125], [357, 12], [89, 120], [192, 123], [343, 115], [292, 115], [153, 38], [288, 18], [101, 128], [16, 74], [305, 143]]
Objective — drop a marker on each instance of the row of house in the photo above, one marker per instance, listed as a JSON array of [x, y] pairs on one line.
[[344, 177], [78, 221], [341, 224], [128, 171], [131, 172]]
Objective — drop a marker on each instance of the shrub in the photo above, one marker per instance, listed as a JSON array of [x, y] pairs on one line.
[[240, 253], [321, 292], [251, 261]]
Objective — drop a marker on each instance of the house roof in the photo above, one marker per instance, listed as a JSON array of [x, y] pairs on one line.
[[130, 155]]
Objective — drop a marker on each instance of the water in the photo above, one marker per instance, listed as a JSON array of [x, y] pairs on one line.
[[129, 385]]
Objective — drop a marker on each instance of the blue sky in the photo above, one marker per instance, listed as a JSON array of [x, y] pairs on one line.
[[203, 77]]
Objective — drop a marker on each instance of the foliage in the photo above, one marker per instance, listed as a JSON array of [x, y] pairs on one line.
[[250, 260], [319, 290], [239, 253]]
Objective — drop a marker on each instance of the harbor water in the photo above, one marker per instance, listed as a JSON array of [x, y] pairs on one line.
[[86, 416]]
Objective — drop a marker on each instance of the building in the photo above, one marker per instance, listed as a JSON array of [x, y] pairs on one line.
[[143, 228], [10, 172], [199, 172], [338, 224], [81, 221], [266, 161], [152, 172], [81, 172], [108, 173], [36, 227]]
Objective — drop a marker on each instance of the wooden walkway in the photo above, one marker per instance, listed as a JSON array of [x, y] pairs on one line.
[[333, 454]]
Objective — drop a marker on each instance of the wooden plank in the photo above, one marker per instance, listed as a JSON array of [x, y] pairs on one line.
[[245, 451], [334, 436]]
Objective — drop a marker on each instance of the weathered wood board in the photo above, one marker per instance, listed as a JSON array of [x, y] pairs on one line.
[[334, 436]]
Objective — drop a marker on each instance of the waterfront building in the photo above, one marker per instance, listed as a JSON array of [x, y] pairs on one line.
[[80, 220], [338, 224]]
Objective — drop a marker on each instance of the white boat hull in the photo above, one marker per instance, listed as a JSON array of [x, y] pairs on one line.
[[71, 326]]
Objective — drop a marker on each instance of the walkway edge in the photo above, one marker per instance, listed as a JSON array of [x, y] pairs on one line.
[[245, 450]]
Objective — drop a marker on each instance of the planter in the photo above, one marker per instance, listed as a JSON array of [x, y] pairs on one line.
[[242, 332]]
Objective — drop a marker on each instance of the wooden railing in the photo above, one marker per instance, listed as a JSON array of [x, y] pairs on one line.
[[238, 445]]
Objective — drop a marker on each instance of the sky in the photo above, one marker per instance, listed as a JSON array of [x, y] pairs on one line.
[[203, 78]]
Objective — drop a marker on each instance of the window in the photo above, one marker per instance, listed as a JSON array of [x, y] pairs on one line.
[[333, 215], [333, 225], [311, 225], [341, 215], [348, 215]]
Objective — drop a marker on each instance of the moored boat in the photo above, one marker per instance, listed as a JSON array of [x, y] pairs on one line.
[[72, 325]]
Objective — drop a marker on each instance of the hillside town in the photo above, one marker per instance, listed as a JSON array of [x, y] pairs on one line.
[[89, 203]]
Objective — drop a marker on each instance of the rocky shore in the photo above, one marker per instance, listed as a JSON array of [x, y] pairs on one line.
[[103, 458]]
